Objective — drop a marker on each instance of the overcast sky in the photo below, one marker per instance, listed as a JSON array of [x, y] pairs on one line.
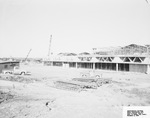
[[76, 25]]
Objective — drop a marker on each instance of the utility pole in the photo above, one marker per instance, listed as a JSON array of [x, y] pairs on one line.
[[49, 50]]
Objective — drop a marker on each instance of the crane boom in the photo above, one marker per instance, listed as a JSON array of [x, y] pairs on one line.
[[27, 55], [146, 1], [49, 51]]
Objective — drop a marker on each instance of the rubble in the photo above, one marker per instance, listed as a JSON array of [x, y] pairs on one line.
[[17, 78], [79, 84], [5, 96]]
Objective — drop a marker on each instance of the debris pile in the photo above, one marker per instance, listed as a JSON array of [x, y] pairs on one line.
[[18, 78], [79, 84], [74, 85], [5, 96]]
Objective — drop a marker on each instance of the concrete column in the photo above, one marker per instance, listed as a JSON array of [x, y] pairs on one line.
[[117, 67], [76, 65], [148, 69], [51, 63], [93, 66]]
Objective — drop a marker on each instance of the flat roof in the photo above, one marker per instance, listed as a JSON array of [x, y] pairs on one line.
[[3, 62]]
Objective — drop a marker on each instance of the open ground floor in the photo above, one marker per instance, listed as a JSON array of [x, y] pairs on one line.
[[125, 67]]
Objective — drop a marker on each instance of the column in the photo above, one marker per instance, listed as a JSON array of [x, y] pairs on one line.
[[117, 67], [76, 65], [148, 69], [93, 66], [51, 63]]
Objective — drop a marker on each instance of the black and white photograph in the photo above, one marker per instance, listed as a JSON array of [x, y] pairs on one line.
[[74, 58]]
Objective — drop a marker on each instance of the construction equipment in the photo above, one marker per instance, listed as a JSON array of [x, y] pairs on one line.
[[90, 74], [16, 71], [27, 55]]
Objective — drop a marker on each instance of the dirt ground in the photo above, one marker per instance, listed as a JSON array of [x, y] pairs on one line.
[[35, 97]]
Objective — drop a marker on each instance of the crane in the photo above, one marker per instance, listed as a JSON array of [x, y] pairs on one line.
[[49, 50], [147, 1], [27, 55]]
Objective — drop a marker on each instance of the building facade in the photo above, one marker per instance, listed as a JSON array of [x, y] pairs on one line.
[[131, 58], [7, 65]]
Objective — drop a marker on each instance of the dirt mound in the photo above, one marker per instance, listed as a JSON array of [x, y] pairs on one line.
[[5, 96], [18, 78]]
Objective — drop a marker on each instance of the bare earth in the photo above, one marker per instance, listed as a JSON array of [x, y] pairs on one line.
[[34, 97]]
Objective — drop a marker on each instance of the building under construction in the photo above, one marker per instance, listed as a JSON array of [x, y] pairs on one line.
[[131, 58]]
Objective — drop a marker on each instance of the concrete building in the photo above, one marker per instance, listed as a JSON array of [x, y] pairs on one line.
[[4, 65], [131, 58]]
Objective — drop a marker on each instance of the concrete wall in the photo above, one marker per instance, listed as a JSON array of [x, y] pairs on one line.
[[138, 68]]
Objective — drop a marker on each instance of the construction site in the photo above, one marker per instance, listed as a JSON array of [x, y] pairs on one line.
[[68, 85], [74, 59], [97, 84], [56, 92], [131, 58]]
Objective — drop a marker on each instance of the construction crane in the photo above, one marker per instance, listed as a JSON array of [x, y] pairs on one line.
[[27, 55], [147, 1], [49, 50]]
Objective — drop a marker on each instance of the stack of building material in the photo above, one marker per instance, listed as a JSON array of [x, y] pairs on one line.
[[98, 81], [88, 80], [67, 85], [75, 85]]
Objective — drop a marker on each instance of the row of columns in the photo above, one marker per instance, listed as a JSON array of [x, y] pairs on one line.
[[117, 66], [94, 66]]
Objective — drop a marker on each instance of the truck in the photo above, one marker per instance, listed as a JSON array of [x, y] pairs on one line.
[[90, 74], [16, 71]]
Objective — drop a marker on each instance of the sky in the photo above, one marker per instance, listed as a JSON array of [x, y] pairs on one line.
[[75, 25]]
